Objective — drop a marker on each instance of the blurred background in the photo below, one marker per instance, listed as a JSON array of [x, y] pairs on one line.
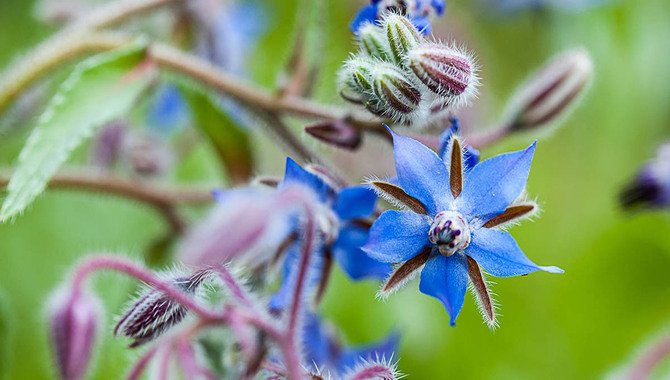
[[612, 300]]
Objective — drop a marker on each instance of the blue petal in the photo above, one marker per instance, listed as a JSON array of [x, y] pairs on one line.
[[320, 346], [168, 111], [356, 263], [366, 14], [421, 173], [422, 24], [355, 202], [350, 358], [493, 184], [439, 6], [446, 278], [397, 236], [470, 155], [284, 295], [295, 174], [498, 253]]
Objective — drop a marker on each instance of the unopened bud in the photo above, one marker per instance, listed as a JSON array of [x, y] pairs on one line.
[[373, 42], [402, 36], [73, 326], [155, 312], [336, 132], [552, 91], [446, 71], [355, 79], [397, 96]]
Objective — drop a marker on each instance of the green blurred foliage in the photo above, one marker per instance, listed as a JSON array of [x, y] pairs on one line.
[[582, 324]]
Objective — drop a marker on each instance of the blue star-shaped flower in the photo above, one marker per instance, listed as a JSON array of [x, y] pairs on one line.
[[351, 206], [449, 227], [326, 352], [418, 11]]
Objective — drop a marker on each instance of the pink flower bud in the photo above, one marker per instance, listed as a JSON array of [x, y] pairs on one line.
[[247, 224], [552, 91], [155, 312], [444, 70], [73, 323], [336, 132]]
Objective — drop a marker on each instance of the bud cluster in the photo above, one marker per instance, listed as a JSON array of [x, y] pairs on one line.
[[401, 75]]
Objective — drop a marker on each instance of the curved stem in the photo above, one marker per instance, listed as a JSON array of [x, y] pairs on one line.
[[292, 343], [128, 267], [71, 42]]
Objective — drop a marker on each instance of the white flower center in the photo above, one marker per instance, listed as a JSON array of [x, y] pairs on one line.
[[450, 232]]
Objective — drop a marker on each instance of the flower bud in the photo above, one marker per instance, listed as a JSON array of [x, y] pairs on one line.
[[155, 312], [402, 36], [73, 323], [355, 79], [397, 97], [373, 42], [248, 225], [445, 71], [552, 91], [336, 132]]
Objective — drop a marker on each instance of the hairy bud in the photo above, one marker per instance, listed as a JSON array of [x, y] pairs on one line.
[[154, 312], [73, 323], [396, 97], [402, 36], [355, 79], [446, 71], [336, 132], [552, 91], [373, 42]]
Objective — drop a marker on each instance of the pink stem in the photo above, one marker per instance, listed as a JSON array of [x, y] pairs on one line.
[[141, 365], [235, 289], [164, 363], [375, 371], [292, 345], [128, 267], [188, 362], [650, 359]]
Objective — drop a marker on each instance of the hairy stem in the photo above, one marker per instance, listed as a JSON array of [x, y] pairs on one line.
[[292, 342], [71, 42], [163, 200], [108, 262]]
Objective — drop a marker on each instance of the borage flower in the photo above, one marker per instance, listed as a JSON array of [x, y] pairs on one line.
[[327, 354], [346, 230], [418, 11], [452, 223]]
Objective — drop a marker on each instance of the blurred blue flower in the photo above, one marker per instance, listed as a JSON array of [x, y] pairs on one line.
[[229, 31], [351, 206], [418, 11], [326, 352], [455, 225], [651, 187]]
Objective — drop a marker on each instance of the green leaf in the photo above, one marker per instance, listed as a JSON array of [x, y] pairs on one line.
[[100, 89], [230, 140]]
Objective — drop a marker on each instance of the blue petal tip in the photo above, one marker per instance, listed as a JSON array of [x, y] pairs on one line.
[[552, 269]]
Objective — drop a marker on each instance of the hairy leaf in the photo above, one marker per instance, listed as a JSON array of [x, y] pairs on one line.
[[100, 89]]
